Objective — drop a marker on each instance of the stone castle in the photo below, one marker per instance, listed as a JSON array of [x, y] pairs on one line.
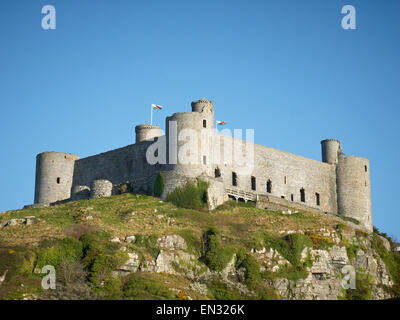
[[338, 185]]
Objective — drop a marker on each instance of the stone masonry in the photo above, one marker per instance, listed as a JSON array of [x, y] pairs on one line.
[[338, 185]]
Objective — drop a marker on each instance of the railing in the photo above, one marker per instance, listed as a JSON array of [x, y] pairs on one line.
[[241, 194]]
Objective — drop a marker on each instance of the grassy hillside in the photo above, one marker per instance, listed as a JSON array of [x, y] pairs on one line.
[[75, 238]]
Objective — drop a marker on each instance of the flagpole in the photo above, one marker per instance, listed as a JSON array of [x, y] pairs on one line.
[[151, 115]]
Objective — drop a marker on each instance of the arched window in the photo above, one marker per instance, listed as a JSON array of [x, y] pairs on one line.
[[269, 186], [58, 180], [204, 123], [217, 172]]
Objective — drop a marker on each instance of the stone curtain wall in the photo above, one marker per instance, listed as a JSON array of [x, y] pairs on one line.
[[314, 176], [117, 166], [113, 166]]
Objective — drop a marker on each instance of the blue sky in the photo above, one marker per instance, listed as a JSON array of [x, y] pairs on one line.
[[285, 68]]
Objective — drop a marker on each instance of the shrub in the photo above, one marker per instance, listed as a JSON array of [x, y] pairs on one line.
[[126, 187], [148, 242], [70, 283], [221, 291], [363, 290], [141, 287], [190, 196], [67, 249], [110, 290], [192, 240], [159, 185], [241, 254], [252, 270], [16, 260], [390, 258], [320, 242], [290, 247], [102, 266], [96, 242], [216, 257], [71, 272]]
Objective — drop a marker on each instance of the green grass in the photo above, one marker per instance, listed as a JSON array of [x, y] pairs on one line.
[[233, 228], [140, 287], [355, 221]]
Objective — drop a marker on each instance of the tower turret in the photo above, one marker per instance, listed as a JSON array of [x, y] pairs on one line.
[[188, 136], [203, 105], [354, 189], [54, 174], [146, 132], [330, 150]]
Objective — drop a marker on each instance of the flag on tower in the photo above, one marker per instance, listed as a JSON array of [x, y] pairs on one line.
[[157, 107], [220, 123]]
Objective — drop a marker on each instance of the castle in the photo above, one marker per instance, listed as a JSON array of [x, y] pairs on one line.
[[338, 185]]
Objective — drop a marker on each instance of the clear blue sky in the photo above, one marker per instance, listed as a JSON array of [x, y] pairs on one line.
[[285, 68]]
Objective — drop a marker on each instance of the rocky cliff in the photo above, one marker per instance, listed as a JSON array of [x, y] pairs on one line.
[[137, 247]]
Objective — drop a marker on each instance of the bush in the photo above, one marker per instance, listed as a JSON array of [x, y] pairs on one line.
[[241, 254], [159, 185], [101, 256], [110, 290], [67, 249], [290, 247], [148, 242], [216, 257], [141, 287], [192, 240], [252, 270], [363, 290], [126, 187], [102, 266], [390, 258], [221, 291], [190, 196], [96, 242]]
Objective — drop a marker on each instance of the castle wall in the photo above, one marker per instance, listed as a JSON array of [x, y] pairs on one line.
[[117, 166], [288, 174], [335, 185]]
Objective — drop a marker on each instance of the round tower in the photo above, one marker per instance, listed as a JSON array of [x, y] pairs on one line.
[[101, 188], [203, 105], [330, 150], [54, 175], [189, 142], [147, 132], [354, 189]]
